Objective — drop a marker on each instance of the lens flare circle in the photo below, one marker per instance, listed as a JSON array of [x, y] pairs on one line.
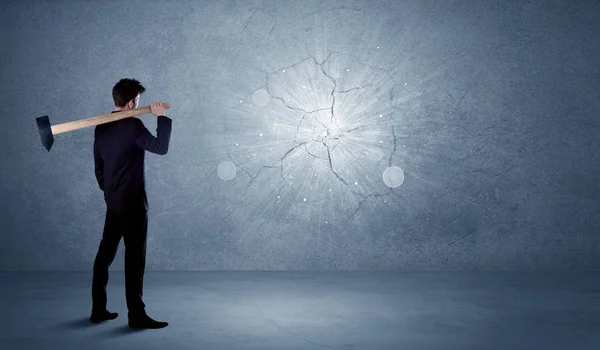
[[226, 171], [393, 176], [261, 97]]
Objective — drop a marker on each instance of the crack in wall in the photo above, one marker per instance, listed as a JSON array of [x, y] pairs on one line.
[[273, 25], [333, 121]]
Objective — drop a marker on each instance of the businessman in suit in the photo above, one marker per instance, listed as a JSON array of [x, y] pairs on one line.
[[119, 150]]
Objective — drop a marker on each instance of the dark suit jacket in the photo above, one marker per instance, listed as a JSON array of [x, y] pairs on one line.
[[119, 150]]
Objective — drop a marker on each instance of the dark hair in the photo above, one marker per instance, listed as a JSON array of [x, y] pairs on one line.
[[126, 90]]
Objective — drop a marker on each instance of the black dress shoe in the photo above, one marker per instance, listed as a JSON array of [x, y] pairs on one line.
[[104, 315], [145, 322]]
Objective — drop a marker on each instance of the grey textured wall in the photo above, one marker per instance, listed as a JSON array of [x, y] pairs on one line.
[[486, 112]]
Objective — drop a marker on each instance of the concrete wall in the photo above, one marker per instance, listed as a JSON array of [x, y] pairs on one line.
[[410, 135]]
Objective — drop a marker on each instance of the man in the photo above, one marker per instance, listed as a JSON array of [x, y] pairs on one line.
[[119, 150]]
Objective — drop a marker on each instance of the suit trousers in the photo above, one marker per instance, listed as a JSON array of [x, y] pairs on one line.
[[132, 225]]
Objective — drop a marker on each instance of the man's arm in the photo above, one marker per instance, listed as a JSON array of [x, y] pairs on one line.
[[99, 165], [159, 144]]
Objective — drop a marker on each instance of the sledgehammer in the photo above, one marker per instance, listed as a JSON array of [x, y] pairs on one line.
[[47, 132]]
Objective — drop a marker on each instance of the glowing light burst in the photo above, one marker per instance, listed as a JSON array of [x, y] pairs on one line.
[[317, 138]]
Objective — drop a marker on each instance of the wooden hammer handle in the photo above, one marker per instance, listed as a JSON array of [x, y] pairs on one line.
[[101, 119]]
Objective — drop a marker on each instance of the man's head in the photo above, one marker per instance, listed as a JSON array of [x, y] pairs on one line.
[[126, 94]]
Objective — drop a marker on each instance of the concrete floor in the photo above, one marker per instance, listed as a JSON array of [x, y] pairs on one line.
[[309, 310]]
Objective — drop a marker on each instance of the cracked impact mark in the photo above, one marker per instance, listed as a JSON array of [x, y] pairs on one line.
[[325, 125]]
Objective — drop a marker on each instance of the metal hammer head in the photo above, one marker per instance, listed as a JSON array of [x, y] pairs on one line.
[[45, 130]]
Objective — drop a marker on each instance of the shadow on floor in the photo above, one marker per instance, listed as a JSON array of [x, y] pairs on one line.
[[84, 322], [79, 323], [117, 331], [123, 330]]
